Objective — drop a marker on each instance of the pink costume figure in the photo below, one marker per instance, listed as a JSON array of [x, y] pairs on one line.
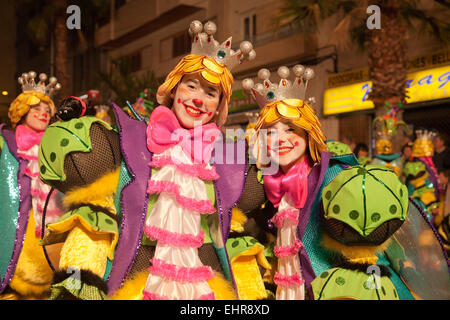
[[29, 128], [181, 139], [24, 268], [289, 136]]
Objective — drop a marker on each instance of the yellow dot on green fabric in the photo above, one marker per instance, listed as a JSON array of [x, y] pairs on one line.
[[336, 209], [354, 214], [79, 125], [52, 157], [328, 195], [393, 209], [64, 142], [375, 217], [324, 275], [340, 281], [43, 169]]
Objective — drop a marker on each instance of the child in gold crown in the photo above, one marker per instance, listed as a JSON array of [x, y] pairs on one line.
[[179, 210], [24, 268], [331, 224]]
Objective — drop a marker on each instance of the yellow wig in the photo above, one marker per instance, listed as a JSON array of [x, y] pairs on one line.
[[299, 115], [210, 70], [22, 104]]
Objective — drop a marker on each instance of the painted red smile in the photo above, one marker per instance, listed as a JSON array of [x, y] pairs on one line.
[[43, 120], [284, 150], [193, 111], [281, 151]]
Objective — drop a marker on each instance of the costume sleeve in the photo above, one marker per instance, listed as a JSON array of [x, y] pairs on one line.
[[90, 237], [246, 243]]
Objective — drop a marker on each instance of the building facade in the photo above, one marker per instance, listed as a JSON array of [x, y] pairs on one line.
[[152, 35]]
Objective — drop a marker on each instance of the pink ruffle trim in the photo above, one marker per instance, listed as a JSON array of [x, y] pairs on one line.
[[28, 172], [281, 252], [196, 170], [49, 212], [201, 206], [285, 214], [154, 296], [26, 156], [39, 193], [173, 238], [285, 281], [177, 273]]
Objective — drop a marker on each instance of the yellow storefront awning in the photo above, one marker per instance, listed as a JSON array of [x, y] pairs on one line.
[[425, 85]]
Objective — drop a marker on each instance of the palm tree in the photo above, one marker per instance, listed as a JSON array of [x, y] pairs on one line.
[[126, 84], [386, 46], [47, 21]]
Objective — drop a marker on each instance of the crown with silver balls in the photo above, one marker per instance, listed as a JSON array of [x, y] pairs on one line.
[[267, 92], [425, 135], [28, 83], [203, 43]]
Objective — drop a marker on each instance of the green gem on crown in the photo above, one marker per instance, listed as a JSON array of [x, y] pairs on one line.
[[221, 54]]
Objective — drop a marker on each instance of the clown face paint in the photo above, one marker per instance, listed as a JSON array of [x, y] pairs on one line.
[[38, 117], [195, 100], [286, 145]]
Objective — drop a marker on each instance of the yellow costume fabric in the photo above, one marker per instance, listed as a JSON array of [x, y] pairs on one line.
[[33, 275]]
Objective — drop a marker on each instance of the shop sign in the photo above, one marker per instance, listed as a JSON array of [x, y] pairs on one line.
[[421, 86]]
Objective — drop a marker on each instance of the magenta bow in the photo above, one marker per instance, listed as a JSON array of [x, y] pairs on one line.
[[27, 138], [164, 131], [294, 183]]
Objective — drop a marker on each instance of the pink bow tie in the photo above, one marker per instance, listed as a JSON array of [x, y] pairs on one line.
[[294, 183], [164, 131], [27, 138]]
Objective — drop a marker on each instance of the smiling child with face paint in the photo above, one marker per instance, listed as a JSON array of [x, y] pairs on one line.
[[181, 134], [292, 131], [28, 274], [316, 241]]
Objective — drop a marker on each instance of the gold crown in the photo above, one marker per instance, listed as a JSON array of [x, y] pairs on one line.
[[203, 43], [267, 91], [26, 80], [423, 145]]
